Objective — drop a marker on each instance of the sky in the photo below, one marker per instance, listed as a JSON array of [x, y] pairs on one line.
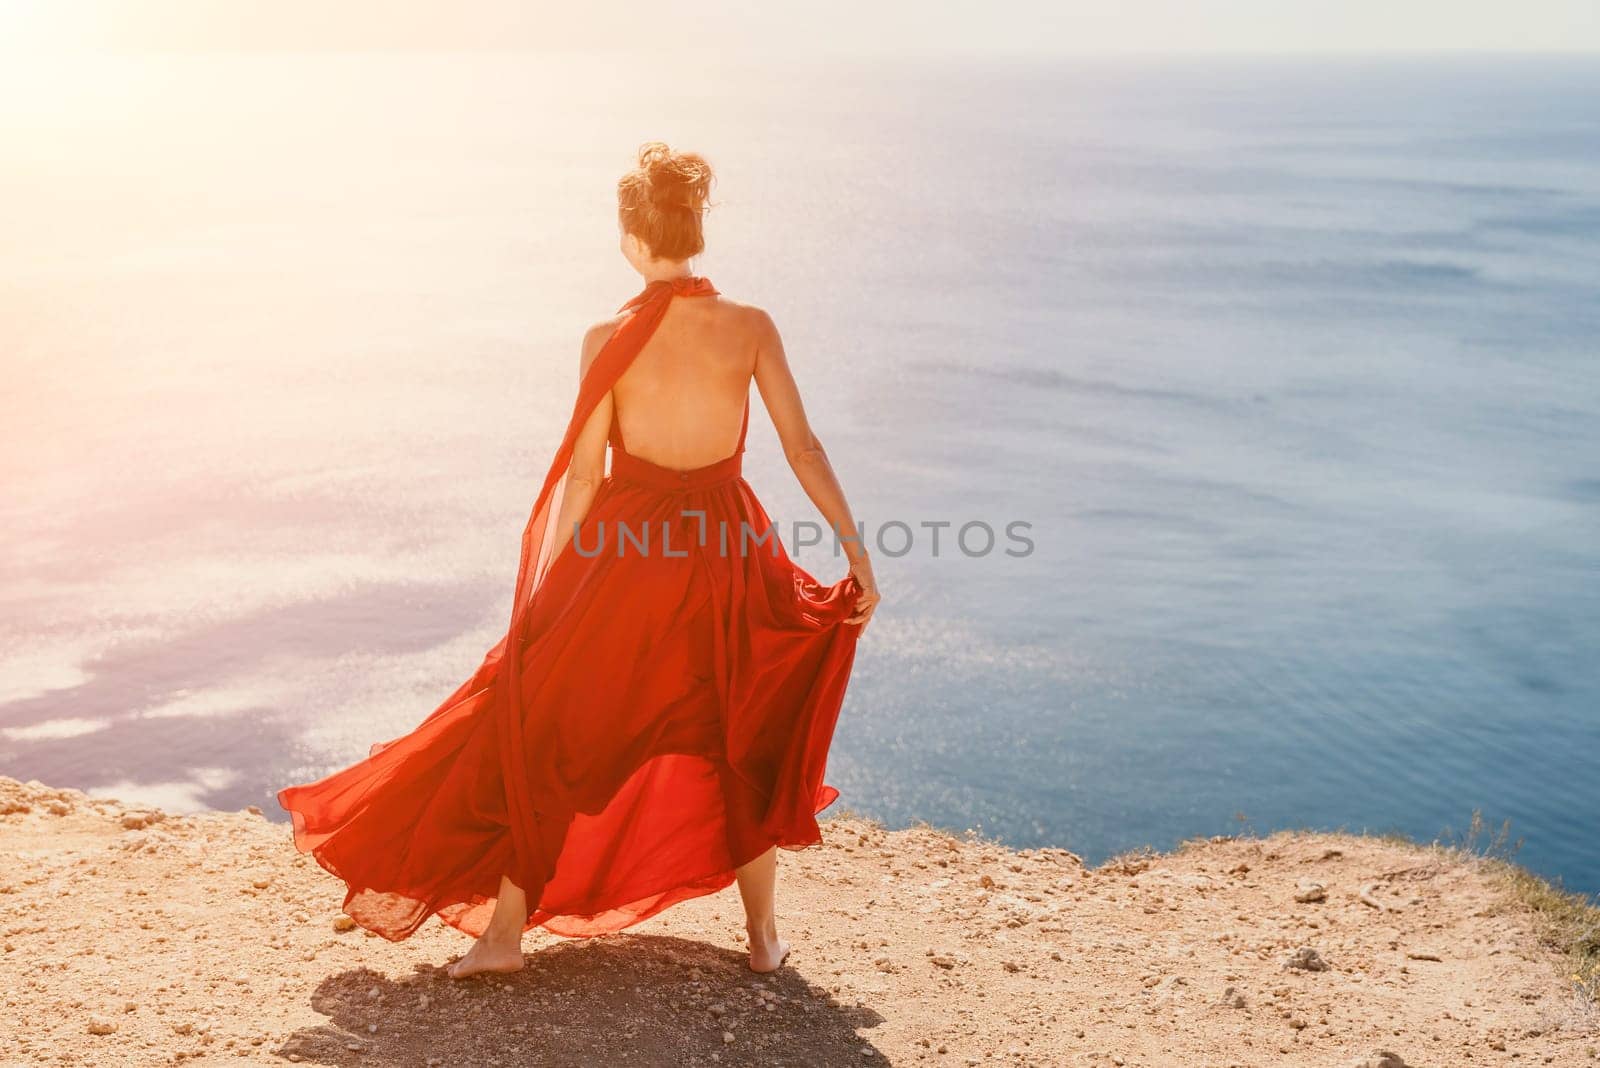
[[890, 27]]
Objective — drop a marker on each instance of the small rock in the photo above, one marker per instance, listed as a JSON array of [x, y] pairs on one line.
[[1307, 891], [1306, 959], [254, 810], [727, 1037], [136, 820], [343, 923], [101, 1025], [261, 882], [1232, 998]]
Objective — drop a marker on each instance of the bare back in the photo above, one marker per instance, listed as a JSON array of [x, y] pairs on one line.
[[681, 405], [681, 402]]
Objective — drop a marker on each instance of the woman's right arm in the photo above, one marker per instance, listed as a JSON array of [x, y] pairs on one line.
[[807, 458]]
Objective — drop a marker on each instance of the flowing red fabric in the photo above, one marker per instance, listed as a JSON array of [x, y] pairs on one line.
[[658, 713]]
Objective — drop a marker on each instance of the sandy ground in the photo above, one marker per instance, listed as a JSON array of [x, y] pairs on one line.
[[132, 938]]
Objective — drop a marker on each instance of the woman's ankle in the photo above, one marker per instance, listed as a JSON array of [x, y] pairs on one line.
[[503, 935], [762, 932]]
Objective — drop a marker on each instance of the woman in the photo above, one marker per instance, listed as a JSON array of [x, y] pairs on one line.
[[657, 719]]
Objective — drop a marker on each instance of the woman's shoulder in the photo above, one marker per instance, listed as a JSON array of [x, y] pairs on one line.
[[597, 334], [749, 318], [595, 338]]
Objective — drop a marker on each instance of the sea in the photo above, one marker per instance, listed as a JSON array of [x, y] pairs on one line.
[[1226, 429]]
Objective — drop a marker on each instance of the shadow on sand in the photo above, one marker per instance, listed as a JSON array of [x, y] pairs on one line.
[[623, 999]]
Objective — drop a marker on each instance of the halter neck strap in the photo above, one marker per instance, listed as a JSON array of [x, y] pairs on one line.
[[664, 289]]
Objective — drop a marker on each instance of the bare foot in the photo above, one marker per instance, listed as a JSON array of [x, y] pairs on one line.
[[486, 956], [767, 952]]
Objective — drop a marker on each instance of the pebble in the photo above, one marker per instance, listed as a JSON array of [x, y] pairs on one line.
[[1306, 959], [1308, 890], [343, 923], [102, 1025]]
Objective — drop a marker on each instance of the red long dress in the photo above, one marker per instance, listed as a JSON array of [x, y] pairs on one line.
[[666, 716]]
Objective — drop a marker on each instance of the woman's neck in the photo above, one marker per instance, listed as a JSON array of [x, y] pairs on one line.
[[667, 271]]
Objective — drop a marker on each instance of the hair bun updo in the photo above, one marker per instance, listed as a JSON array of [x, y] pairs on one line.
[[663, 199]]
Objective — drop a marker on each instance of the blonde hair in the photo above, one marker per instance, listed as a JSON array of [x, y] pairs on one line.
[[663, 200]]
